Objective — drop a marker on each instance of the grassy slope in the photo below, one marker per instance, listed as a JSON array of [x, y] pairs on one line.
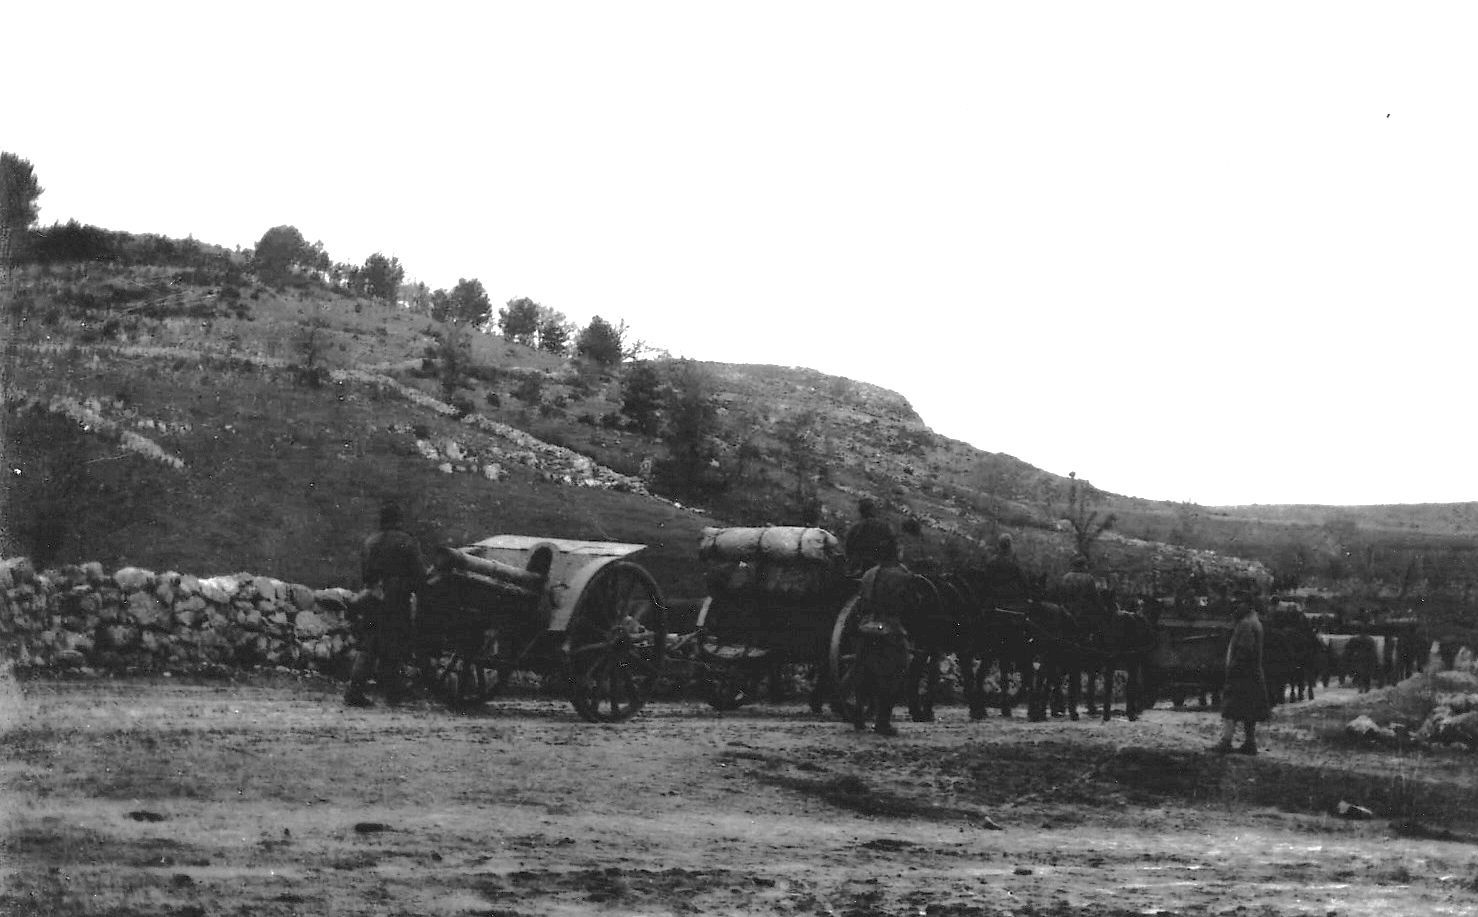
[[286, 480]]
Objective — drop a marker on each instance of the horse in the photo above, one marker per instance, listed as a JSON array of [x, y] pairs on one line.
[[1295, 655], [1060, 649], [1361, 659], [993, 636], [941, 626], [1125, 642]]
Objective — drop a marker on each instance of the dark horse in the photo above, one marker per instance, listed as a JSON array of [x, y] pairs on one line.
[[990, 635], [939, 627], [1124, 641]]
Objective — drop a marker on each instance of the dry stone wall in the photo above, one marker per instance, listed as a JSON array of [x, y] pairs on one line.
[[135, 620]]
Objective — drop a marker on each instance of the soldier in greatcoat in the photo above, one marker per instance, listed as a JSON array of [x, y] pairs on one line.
[[392, 572], [1245, 696]]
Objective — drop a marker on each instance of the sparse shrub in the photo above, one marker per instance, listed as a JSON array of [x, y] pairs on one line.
[[587, 418], [461, 404], [611, 420], [493, 400], [421, 431], [548, 410], [530, 390]]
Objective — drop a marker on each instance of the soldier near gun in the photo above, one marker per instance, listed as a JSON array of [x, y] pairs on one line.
[[392, 571], [888, 597]]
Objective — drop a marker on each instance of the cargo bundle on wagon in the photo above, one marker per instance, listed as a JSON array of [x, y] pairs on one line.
[[577, 610], [774, 596]]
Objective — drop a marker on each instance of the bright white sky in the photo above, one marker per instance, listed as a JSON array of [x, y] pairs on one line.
[[1178, 248]]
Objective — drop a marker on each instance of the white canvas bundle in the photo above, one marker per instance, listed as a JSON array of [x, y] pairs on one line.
[[777, 542]]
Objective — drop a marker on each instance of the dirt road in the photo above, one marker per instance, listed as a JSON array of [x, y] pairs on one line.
[[269, 797]]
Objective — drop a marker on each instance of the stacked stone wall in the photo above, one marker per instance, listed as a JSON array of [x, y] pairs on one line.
[[135, 620]]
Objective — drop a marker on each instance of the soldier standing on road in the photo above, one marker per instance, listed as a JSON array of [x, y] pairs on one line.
[[1245, 697], [888, 598], [392, 571], [870, 540]]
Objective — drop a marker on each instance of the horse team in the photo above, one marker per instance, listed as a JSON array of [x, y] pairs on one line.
[[1053, 656]]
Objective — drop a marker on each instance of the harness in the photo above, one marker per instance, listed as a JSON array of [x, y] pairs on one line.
[[1084, 649]]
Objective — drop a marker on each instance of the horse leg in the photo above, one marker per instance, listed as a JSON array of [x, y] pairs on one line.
[[969, 680], [1036, 683], [920, 704], [1133, 685], [821, 686]]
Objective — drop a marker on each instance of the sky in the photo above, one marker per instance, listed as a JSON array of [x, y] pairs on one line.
[[1222, 253]]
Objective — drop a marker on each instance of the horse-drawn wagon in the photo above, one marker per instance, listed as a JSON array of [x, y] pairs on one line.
[[774, 596], [1189, 660], [577, 610]]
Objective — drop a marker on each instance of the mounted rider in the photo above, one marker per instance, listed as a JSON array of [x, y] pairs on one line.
[[1006, 584], [1080, 595], [870, 540]]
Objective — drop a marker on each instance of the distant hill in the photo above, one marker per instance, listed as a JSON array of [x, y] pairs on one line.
[[255, 467]]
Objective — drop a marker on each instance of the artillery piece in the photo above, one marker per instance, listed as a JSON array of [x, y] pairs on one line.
[[579, 610]]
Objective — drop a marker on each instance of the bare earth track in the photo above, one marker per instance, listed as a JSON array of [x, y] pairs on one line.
[[266, 796]]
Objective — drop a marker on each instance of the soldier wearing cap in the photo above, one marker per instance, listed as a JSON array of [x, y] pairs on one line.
[[392, 571]]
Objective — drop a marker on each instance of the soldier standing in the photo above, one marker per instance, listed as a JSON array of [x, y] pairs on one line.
[[392, 570], [888, 598], [1245, 697]]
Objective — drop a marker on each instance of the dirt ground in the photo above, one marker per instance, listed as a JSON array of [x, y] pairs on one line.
[[267, 796]]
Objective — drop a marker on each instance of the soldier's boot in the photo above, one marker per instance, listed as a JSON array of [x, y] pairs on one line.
[[1225, 745], [355, 697], [1248, 747]]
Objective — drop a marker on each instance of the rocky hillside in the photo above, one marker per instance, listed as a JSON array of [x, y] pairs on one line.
[[197, 419]]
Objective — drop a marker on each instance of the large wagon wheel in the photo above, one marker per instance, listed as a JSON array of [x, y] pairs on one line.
[[846, 644], [615, 643]]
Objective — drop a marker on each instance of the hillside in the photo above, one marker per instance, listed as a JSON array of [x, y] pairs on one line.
[[164, 416]]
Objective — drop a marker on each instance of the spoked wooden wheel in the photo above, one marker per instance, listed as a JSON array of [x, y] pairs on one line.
[[615, 643], [846, 645]]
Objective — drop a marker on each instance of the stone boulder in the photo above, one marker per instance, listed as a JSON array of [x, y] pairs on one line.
[[146, 610], [302, 597], [133, 579], [218, 589], [309, 625], [1461, 728]]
